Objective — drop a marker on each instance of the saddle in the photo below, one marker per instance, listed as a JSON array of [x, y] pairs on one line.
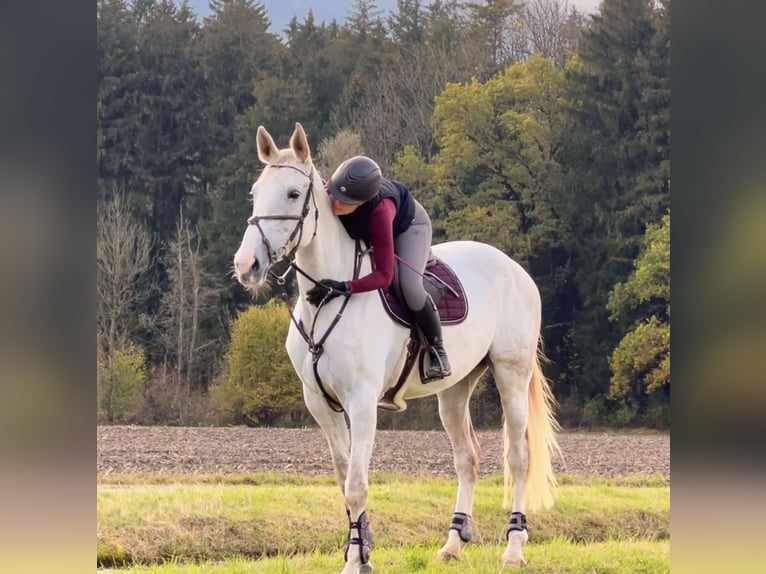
[[444, 287], [439, 281]]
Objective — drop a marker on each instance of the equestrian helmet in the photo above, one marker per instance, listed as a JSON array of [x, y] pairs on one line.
[[356, 180]]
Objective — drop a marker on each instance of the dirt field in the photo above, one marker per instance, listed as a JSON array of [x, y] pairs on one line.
[[241, 450]]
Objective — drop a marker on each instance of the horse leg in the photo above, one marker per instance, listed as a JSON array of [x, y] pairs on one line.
[[512, 382], [456, 419], [362, 414], [333, 424]]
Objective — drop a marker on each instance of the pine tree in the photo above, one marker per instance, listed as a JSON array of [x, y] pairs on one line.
[[364, 19], [444, 24], [496, 26], [236, 51], [238, 56], [653, 124], [607, 156], [117, 68], [311, 59], [364, 43], [407, 24], [169, 96]]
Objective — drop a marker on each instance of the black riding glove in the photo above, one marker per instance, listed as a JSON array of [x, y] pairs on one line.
[[325, 290]]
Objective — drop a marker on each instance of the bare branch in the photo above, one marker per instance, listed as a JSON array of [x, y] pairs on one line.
[[123, 261]]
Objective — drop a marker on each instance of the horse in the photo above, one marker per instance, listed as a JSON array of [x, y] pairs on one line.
[[348, 352]]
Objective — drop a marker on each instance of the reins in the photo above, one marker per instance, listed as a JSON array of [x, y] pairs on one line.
[[315, 347]]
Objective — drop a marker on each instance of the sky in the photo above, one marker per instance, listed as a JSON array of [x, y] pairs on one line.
[[281, 11]]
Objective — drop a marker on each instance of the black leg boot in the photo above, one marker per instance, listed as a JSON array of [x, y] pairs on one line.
[[428, 321]]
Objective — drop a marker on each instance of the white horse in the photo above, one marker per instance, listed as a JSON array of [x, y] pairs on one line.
[[348, 352]]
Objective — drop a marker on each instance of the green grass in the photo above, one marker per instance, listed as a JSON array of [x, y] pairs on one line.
[[375, 477], [286, 523], [559, 556]]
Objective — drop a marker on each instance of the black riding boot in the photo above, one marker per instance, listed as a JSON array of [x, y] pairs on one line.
[[428, 320]]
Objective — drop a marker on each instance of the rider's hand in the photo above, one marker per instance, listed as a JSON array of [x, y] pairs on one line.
[[325, 290]]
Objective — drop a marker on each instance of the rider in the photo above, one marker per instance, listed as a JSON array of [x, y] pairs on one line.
[[384, 214]]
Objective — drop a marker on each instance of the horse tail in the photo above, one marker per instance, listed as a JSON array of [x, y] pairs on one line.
[[541, 443]]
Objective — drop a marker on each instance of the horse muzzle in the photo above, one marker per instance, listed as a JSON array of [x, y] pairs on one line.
[[249, 271]]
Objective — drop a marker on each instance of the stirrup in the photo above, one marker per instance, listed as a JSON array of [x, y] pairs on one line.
[[436, 370]]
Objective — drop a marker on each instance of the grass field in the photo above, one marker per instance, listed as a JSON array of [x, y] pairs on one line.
[[278, 524]]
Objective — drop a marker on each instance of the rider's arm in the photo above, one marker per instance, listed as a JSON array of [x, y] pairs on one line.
[[381, 226]]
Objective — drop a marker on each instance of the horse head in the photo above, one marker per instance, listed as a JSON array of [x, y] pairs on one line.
[[285, 212]]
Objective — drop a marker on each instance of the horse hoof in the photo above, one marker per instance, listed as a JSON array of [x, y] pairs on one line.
[[448, 557], [514, 563], [366, 569]]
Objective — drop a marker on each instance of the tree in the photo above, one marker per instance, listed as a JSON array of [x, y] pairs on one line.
[[552, 29], [363, 46], [117, 67], [621, 59], [398, 104], [493, 177], [407, 24], [278, 101], [335, 150], [259, 385], [121, 379], [365, 19], [496, 26], [123, 285], [244, 67], [312, 59], [608, 194], [497, 159], [641, 361], [653, 123], [189, 303], [155, 139], [123, 262], [236, 51], [445, 22]]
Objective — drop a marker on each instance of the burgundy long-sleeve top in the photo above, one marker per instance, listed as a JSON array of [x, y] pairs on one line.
[[381, 228]]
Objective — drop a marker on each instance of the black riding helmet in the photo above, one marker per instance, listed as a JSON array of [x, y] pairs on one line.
[[356, 180]]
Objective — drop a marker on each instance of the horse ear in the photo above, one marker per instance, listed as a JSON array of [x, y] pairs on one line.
[[267, 149], [299, 143]]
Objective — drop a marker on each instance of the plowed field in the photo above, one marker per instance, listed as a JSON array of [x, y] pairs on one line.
[[242, 450]]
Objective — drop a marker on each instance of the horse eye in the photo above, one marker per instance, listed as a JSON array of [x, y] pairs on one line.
[[293, 194]]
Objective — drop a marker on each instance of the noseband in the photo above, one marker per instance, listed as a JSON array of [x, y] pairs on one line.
[[274, 255]]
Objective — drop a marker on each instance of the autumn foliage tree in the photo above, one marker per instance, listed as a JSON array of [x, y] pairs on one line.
[[497, 140], [121, 379], [259, 385], [641, 362]]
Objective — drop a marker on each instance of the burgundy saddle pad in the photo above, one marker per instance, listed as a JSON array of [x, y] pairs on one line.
[[445, 289]]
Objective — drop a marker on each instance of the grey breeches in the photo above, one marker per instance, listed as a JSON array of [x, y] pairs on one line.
[[414, 246]]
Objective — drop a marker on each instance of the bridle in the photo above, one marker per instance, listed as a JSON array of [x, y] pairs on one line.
[[316, 346], [274, 254]]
